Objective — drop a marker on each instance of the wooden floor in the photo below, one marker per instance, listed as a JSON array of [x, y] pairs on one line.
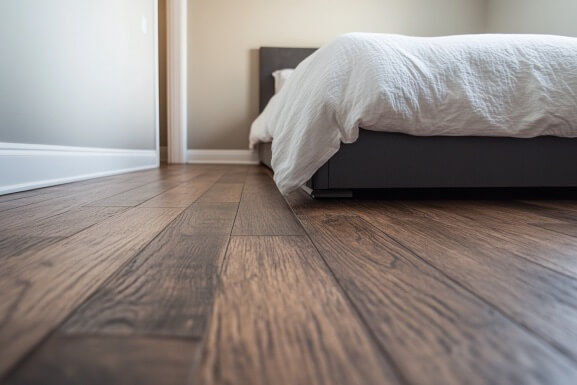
[[207, 275]]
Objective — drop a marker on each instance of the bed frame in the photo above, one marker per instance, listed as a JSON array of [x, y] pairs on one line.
[[379, 160]]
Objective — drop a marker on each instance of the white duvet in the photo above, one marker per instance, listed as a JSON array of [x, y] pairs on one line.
[[490, 85]]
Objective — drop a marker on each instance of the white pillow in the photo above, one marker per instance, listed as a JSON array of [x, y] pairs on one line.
[[280, 78]]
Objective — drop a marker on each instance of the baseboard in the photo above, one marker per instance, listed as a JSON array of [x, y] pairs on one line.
[[223, 156], [30, 166]]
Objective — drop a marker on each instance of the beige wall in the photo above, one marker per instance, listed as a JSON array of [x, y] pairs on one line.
[[533, 16], [224, 36], [78, 73]]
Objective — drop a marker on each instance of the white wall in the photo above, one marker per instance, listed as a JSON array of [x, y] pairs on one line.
[[557, 17], [78, 94], [224, 36], [77, 73]]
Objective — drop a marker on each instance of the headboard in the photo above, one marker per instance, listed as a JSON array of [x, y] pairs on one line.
[[276, 58]]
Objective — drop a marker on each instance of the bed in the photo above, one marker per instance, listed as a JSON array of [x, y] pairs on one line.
[[385, 160]]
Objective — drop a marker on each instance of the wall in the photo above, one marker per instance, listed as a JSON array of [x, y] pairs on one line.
[[77, 73], [224, 36], [532, 16], [78, 94]]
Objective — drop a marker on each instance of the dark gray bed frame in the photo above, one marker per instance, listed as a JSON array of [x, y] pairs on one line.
[[379, 160]]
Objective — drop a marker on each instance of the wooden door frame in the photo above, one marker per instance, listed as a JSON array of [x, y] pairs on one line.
[[177, 65]]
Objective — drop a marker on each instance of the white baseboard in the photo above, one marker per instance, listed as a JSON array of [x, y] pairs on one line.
[[30, 166], [223, 156]]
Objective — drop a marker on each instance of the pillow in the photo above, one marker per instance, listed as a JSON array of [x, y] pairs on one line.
[[280, 78]]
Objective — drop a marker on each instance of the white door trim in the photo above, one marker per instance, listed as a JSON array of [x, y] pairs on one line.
[[176, 13]]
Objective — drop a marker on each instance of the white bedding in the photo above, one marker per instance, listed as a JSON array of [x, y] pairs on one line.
[[490, 85]]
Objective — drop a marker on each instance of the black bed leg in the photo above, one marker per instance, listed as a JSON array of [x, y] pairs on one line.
[[328, 193]]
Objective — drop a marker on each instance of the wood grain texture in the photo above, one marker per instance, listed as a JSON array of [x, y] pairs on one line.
[[39, 290], [135, 196], [538, 298], [223, 192], [550, 249], [561, 228], [30, 214], [179, 197], [38, 234], [434, 330], [9, 204], [235, 174], [168, 288], [506, 212], [263, 210], [280, 319], [111, 361], [21, 195]]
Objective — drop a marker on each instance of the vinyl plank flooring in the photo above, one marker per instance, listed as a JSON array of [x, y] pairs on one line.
[[434, 330], [68, 223], [11, 246], [561, 228], [26, 201], [553, 250], [180, 197], [168, 288], [507, 212], [557, 205], [28, 215], [113, 361], [538, 298], [39, 290], [135, 196], [236, 175], [223, 192], [41, 233], [263, 210], [20, 195], [279, 319]]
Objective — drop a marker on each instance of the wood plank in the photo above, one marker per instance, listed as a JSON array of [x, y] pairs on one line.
[[168, 288], [20, 195], [135, 196], [567, 229], [14, 245], [553, 250], [16, 240], [105, 360], [28, 215], [507, 212], [563, 210], [178, 198], [68, 223], [28, 200], [223, 192], [39, 290], [538, 298], [279, 318], [429, 320], [234, 175], [263, 210]]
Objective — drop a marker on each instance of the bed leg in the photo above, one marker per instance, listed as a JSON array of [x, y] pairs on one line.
[[327, 193]]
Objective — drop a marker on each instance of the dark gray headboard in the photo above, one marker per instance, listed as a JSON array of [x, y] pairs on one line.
[[276, 58]]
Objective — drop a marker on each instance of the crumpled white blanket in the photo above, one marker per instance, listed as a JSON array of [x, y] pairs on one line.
[[491, 85]]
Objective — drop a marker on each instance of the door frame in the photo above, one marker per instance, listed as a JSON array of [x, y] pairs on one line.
[[177, 84]]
